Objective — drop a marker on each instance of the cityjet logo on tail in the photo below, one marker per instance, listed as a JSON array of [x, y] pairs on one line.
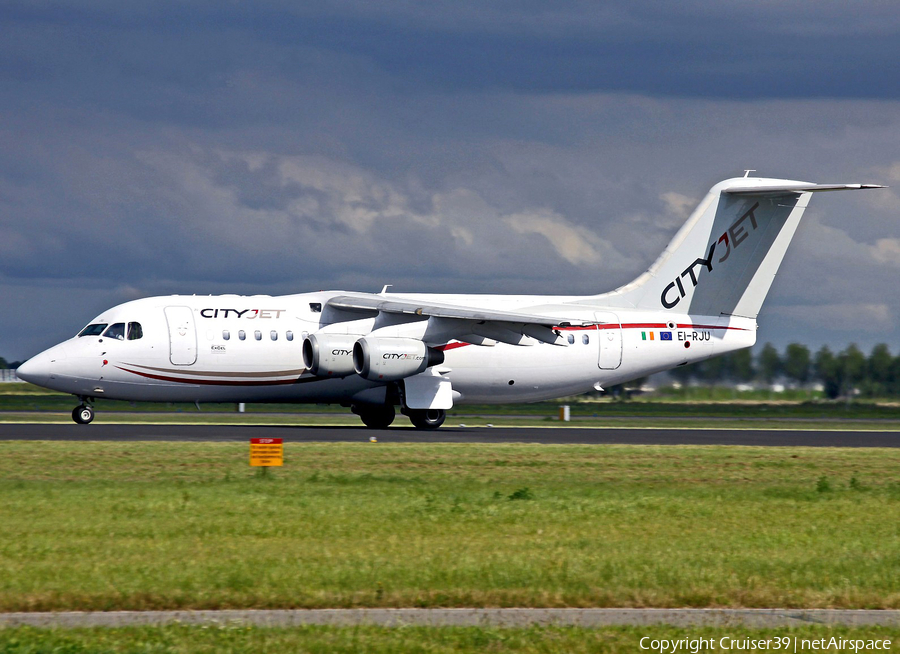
[[732, 238]]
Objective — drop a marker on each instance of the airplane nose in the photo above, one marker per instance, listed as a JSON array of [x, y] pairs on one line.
[[36, 370]]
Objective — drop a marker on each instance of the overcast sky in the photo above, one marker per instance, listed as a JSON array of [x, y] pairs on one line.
[[520, 147]]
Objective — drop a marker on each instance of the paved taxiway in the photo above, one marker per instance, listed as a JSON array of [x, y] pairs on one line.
[[587, 436]]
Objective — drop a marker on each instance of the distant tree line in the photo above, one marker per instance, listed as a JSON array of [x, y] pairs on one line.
[[840, 374]]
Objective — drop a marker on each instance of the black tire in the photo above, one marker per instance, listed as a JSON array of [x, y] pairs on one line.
[[82, 414], [378, 418], [427, 418]]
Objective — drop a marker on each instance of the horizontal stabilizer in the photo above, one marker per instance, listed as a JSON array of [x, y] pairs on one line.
[[796, 187]]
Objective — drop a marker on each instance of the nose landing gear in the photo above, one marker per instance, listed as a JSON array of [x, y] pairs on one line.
[[83, 413]]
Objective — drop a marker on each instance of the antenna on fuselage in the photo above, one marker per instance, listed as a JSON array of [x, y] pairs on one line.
[[748, 171], [384, 290]]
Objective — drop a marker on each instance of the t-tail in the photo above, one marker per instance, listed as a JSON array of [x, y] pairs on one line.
[[723, 260]]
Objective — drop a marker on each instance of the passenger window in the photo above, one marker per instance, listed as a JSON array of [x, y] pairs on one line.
[[242, 334], [585, 339], [226, 334], [117, 331], [289, 335], [315, 307], [257, 335], [135, 331], [273, 335], [93, 330], [570, 338]]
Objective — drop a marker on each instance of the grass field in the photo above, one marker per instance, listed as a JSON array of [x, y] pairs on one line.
[[184, 525], [239, 640]]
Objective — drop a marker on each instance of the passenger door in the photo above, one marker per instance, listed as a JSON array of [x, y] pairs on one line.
[[609, 332], [182, 336]]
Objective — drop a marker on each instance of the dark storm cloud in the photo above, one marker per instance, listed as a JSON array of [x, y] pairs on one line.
[[723, 50], [707, 53]]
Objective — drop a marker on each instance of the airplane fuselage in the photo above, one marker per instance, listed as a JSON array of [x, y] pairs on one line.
[[248, 349]]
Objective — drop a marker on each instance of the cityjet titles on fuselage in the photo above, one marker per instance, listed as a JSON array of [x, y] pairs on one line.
[[248, 314]]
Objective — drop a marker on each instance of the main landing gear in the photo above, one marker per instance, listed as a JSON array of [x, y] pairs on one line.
[[381, 416], [375, 416], [426, 418], [83, 413]]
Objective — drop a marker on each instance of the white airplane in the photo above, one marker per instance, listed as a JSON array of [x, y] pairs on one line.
[[424, 352]]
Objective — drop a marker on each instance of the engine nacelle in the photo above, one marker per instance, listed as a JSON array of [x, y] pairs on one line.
[[390, 359], [329, 355]]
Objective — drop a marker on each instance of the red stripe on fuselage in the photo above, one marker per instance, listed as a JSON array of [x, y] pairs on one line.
[[655, 325], [631, 325]]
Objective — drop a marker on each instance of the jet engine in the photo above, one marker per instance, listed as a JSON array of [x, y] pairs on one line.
[[329, 355], [390, 359]]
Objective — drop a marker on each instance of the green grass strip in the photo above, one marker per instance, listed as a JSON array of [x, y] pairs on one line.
[[102, 526], [236, 639]]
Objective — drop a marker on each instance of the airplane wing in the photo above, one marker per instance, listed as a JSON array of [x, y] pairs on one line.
[[474, 325], [436, 310]]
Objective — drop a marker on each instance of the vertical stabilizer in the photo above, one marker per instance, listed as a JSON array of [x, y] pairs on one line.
[[724, 258]]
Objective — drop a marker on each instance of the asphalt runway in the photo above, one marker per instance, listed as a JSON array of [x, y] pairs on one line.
[[550, 435]]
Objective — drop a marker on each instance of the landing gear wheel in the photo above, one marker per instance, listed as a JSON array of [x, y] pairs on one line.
[[378, 418], [427, 418], [82, 414]]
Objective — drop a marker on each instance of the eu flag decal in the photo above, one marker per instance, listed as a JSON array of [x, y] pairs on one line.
[[665, 336]]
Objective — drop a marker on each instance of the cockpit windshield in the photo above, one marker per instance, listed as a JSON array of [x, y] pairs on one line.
[[116, 330], [93, 330]]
